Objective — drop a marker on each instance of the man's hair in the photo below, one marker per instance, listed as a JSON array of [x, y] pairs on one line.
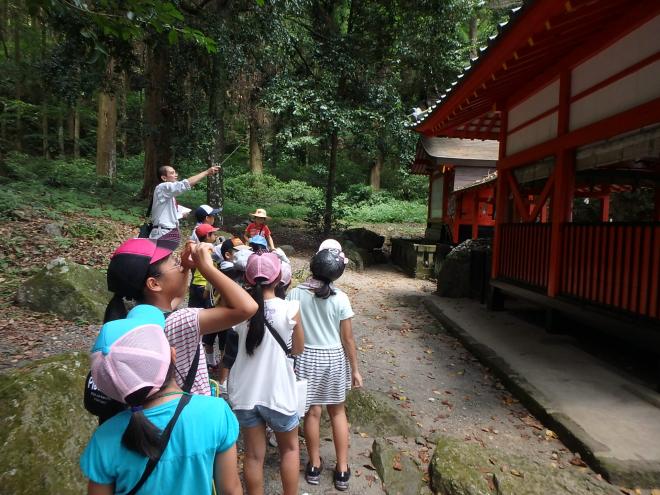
[[162, 170]]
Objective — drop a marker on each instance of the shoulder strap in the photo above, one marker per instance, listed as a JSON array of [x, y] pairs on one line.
[[164, 439], [192, 372], [277, 337]]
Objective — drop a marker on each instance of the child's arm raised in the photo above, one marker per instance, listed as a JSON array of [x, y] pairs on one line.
[[347, 340], [238, 305]]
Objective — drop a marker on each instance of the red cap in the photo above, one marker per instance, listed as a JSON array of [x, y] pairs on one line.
[[205, 229]]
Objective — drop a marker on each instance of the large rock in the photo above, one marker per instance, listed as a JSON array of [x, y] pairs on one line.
[[397, 470], [68, 289], [454, 273], [462, 468], [365, 239], [44, 427], [376, 414]]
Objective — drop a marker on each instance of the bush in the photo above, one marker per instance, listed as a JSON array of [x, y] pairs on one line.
[[393, 210], [267, 190]]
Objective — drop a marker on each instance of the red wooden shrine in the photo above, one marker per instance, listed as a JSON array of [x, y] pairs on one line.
[[571, 90]]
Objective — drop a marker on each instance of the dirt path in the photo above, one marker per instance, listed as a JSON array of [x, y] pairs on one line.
[[405, 353]]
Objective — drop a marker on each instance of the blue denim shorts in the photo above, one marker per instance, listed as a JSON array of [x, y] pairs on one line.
[[249, 418]]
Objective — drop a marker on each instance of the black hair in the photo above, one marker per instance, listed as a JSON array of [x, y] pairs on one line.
[[202, 238], [162, 170], [116, 308], [141, 435], [326, 267], [280, 290], [256, 326]]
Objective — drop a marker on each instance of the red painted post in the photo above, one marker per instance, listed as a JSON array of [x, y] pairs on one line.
[[562, 198], [501, 199]]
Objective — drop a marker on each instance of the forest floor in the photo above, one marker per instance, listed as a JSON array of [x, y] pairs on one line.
[[403, 352]]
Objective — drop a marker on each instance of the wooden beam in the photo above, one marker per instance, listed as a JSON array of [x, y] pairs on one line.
[[634, 118], [521, 204], [543, 197]]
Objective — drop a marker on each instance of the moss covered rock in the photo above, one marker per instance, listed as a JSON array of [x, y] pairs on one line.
[[461, 468], [44, 427], [397, 470], [375, 413], [68, 289]]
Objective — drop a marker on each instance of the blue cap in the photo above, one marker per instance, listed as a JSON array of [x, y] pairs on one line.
[[259, 240], [143, 314]]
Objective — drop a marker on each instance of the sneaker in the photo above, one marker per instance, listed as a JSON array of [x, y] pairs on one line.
[[313, 473], [270, 434], [341, 480]]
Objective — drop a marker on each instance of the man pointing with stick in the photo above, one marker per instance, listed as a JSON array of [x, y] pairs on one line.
[[165, 212]]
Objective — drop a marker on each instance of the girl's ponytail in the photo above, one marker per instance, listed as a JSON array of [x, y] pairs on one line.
[[115, 310], [141, 435], [325, 290], [256, 326]]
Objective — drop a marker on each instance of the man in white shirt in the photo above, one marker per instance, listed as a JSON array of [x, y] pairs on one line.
[[164, 209]]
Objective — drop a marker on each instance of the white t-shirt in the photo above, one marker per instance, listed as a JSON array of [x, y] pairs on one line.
[[266, 378], [321, 317], [163, 206]]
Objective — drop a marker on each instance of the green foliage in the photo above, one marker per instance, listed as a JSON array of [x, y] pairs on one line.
[[266, 190]]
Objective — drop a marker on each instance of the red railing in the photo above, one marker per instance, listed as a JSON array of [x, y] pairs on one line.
[[613, 264], [525, 253]]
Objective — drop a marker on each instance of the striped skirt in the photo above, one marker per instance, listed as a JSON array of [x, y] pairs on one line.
[[328, 375]]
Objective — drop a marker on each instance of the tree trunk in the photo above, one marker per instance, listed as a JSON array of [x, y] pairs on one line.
[[60, 132], [215, 186], [76, 130], [376, 170], [123, 118], [330, 189], [157, 116], [44, 129], [106, 131], [472, 33], [256, 161], [19, 79]]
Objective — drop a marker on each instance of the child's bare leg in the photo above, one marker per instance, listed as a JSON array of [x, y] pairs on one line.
[[312, 427], [255, 452], [224, 374], [287, 442], [339, 423]]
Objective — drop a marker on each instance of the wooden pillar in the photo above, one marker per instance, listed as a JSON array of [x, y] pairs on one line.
[[501, 199], [475, 215], [605, 208], [446, 191], [562, 197]]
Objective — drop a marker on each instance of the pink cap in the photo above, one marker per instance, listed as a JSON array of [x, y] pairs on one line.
[[152, 249], [285, 279], [131, 354], [266, 265]]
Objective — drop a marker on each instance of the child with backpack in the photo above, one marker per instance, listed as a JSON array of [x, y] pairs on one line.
[[258, 227], [147, 272], [262, 382], [329, 362], [168, 441]]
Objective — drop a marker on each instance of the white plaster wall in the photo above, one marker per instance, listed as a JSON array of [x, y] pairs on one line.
[[540, 131], [628, 92], [543, 100], [636, 46]]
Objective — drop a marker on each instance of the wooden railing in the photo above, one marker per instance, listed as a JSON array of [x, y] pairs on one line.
[[525, 253], [613, 264]]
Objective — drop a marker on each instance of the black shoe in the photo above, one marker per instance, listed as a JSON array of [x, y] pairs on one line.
[[313, 473], [341, 479]]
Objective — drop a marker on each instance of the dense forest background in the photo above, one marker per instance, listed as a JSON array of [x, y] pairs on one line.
[[303, 100]]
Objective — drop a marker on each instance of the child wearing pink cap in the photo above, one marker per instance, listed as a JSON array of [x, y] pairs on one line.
[[146, 271], [192, 439], [262, 382]]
